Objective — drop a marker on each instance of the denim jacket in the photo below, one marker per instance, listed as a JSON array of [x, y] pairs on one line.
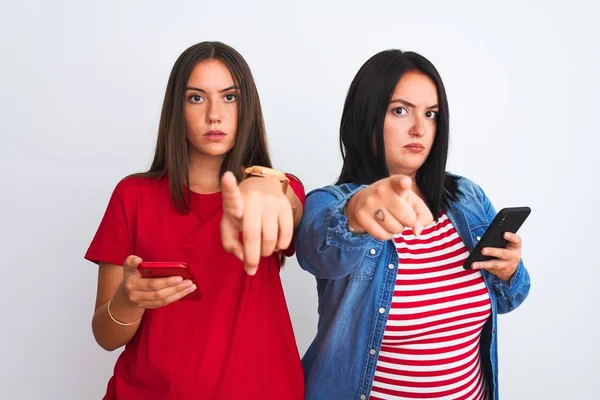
[[356, 276]]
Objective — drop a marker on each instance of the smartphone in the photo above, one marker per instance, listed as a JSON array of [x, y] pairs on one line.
[[160, 269], [507, 220]]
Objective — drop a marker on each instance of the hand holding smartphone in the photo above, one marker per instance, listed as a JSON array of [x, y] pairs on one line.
[[507, 220], [160, 269]]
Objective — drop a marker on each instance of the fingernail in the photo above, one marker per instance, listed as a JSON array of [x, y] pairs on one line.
[[188, 283], [475, 266], [251, 271], [192, 288], [177, 279], [507, 235], [485, 251]]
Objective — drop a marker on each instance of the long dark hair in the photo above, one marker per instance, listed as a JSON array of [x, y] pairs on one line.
[[171, 155], [361, 129]]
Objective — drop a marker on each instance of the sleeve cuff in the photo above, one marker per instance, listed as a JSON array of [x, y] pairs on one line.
[[337, 227], [514, 283]]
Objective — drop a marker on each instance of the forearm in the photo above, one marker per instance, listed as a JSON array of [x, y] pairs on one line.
[[324, 246], [108, 333]]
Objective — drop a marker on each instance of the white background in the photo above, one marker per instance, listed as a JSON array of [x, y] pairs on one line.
[[81, 87]]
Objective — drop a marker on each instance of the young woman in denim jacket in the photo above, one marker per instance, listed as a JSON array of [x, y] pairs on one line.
[[399, 317]]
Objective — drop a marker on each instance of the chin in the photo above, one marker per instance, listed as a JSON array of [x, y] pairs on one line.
[[408, 169], [215, 153], [212, 151]]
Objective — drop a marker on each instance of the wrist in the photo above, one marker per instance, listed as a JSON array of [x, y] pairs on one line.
[[264, 172], [122, 310], [352, 224], [506, 277], [262, 184]]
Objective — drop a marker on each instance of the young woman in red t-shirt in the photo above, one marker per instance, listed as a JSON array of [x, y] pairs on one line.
[[235, 340]]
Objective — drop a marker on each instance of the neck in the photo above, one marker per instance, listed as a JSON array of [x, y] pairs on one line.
[[204, 173]]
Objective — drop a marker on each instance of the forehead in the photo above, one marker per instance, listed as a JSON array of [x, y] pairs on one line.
[[417, 88], [210, 75]]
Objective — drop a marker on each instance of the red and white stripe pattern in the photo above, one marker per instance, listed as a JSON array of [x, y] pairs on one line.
[[430, 347]]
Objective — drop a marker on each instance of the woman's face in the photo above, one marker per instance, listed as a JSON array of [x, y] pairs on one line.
[[410, 123], [211, 110]]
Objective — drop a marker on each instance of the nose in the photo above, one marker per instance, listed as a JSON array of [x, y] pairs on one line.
[[213, 114], [418, 129]]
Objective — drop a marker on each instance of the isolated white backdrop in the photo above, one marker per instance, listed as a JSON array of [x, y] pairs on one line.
[[81, 90]]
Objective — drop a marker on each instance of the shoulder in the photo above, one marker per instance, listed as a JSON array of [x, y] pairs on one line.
[[468, 191], [335, 192], [297, 186], [134, 186]]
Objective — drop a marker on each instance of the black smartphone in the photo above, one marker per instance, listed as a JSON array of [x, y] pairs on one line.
[[507, 220]]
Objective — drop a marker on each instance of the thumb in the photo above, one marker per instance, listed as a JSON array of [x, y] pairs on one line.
[[400, 184], [131, 264], [233, 203]]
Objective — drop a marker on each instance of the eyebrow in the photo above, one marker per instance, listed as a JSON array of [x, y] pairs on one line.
[[220, 91], [407, 103]]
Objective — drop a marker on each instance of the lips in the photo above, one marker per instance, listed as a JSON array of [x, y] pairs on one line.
[[214, 135], [415, 147]]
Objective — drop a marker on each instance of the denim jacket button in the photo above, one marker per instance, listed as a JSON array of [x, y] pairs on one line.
[[372, 251], [391, 266], [372, 352], [381, 310], [363, 397], [478, 238]]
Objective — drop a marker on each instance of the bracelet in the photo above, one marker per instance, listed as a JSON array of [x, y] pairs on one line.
[[119, 322]]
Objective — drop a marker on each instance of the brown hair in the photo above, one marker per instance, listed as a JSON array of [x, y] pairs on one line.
[[171, 155]]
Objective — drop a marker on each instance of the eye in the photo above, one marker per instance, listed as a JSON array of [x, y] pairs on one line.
[[230, 98], [400, 111], [431, 114], [195, 98]]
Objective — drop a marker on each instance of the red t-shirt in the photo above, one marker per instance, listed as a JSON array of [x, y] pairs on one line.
[[235, 343]]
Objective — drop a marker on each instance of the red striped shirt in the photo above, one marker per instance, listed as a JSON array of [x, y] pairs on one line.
[[430, 347]]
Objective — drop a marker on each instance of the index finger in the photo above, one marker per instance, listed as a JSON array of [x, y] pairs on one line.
[[230, 238], [424, 216], [251, 233], [401, 184]]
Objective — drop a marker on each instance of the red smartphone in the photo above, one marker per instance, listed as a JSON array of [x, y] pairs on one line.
[[161, 269]]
